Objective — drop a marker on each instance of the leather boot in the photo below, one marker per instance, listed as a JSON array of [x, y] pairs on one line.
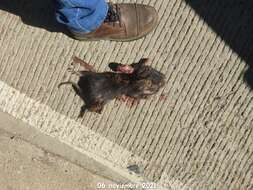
[[124, 22]]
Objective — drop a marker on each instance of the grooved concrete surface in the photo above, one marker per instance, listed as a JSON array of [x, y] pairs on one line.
[[200, 137]]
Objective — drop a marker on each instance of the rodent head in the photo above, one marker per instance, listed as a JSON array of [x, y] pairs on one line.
[[149, 80]]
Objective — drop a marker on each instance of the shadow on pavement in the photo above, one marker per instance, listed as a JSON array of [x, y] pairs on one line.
[[232, 20], [37, 13]]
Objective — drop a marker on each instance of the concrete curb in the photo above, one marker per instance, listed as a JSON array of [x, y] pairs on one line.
[[26, 129]]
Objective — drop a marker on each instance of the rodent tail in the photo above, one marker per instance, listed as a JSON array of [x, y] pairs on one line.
[[67, 82]]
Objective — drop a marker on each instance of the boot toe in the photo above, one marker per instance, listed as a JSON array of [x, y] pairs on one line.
[[147, 18]]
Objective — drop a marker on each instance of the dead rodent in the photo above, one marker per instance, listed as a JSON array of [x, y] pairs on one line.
[[136, 81]]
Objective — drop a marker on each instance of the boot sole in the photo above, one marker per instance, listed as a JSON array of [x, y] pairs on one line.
[[83, 38], [117, 40]]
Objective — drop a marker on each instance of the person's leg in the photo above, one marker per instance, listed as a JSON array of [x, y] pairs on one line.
[[82, 16], [96, 20]]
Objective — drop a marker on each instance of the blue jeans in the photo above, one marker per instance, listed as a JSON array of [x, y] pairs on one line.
[[81, 16]]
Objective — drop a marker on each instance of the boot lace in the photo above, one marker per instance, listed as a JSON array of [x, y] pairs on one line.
[[113, 14]]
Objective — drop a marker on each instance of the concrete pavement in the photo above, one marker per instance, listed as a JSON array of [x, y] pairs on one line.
[[200, 137], [25, 166]]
